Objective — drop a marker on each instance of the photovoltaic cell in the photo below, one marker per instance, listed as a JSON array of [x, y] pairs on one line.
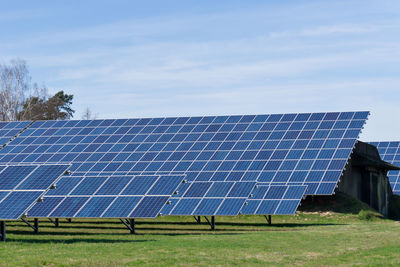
[[390, 152]]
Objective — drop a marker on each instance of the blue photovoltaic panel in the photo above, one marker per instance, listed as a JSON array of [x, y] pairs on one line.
[[43, 177], [68, 207], [16, 204], [3, 194], [274, 200], [14, 175], [45, 207], [88, 186], [108, 197], [390, 152], [150, 207], [65, 185], [122, 207], [279, 149], [8, 130], [95, 207], [114, 185], [23, 185], [210, 198]]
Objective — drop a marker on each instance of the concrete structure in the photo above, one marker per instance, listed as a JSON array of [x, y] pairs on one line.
[[365, 178]]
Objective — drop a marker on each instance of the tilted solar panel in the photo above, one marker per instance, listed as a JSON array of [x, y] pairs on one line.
[[8, 130], [210, 198], [274, 200], [390, 152], [279, 149], [22, 186], [108, 197]]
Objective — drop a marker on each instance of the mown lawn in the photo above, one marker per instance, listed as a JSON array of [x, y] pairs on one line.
[[310, 239]]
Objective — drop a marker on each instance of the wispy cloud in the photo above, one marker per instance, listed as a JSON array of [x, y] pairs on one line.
[[336, 29]]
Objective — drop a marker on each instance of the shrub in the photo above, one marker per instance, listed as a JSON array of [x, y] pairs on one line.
[[369, 215]]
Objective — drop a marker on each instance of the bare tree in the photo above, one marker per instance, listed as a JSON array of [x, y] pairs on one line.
[[14, 84], [22, 100], [89, 115]]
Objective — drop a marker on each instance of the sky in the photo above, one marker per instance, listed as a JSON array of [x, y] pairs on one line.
[[128, 59]]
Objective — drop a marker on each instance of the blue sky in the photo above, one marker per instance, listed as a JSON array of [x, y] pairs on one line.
[[177, 58]]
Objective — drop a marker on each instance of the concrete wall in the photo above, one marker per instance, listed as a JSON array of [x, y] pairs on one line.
[[365, 180]]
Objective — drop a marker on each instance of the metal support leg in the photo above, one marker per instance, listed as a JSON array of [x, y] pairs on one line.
[[212, 222], [55, 222], [197, 218], [36, 224], [3, 231], [268, 218], [69, 220], [130, 224]]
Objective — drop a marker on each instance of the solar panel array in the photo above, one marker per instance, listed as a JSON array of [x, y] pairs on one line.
[[108, 197], [22, 186], [274, 200], [279, 149], [390, 152], [304, 151]]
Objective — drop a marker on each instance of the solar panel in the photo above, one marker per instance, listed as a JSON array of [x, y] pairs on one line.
[[274, 200], [22, 186], [210, 198], [8, 130], [279, 149], [390, 152], [112, 196]]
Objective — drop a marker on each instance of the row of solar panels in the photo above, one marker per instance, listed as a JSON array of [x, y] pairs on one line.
[[133, 196], [277, 154]]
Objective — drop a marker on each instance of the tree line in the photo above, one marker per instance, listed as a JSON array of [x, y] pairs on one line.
[[22, 99]]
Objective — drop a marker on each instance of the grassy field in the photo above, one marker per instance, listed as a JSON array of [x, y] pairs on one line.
[[308, 238]]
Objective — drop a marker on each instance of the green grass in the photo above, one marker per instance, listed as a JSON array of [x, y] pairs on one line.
[[310, 238], [330, 231]]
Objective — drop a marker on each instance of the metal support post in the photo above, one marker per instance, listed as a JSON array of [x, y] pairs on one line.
[[130, 224], [69, 220], [36, 225], [212, 222], [269, 219], [55, 222], [197, 218], [2, 231]]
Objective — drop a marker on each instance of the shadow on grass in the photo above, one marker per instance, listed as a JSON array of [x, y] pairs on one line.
[[95, 225], [242, 224], [75, 240]]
